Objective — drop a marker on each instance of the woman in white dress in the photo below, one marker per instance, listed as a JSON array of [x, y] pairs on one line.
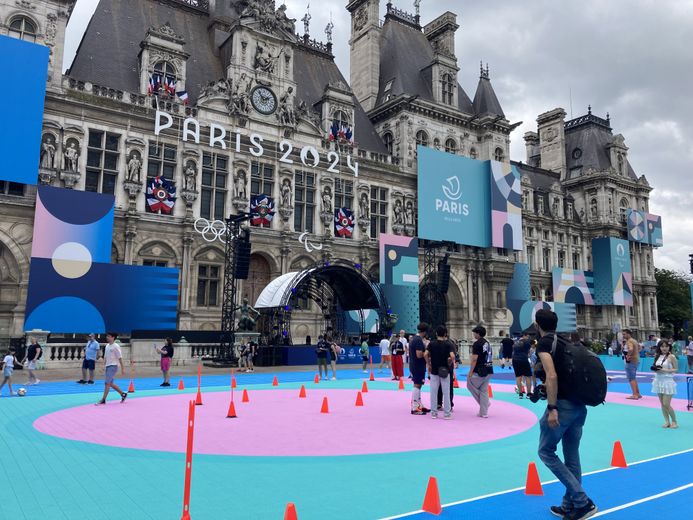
[[665, 366]]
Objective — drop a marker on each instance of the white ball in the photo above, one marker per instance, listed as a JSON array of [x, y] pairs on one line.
[[21, 392]]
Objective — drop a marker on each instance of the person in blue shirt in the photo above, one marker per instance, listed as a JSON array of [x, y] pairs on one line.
[[91, 354]]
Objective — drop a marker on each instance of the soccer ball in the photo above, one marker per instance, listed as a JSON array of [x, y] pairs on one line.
[[21, 392]]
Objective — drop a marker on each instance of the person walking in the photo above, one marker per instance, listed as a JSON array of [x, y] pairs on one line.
[[562, 422], [8, 363], [506, 351], [480, 370], [632, 360], [440, 360], [364, 355], [521, 366], [384, 354], [166, 356], [665, 366], [689, 354], [397, 353], [321, 351], [33, 354], [91, 354], [112, 357], [417, 368]]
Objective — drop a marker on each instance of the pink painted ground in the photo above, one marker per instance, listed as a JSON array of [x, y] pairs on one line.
[[278, 423]]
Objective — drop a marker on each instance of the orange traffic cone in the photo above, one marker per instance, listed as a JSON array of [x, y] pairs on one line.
[[233, 381], [290, 513], [359, 399], [533, 485], [245, 399], [275, 382], [455, 383], [618, 459], [131, 388], [401, 384], [324, 408], [364, 388], [302, 393], [180, 385], [431, 503], [198, 397], [317, 379], [490, 391], [372, 378], [231, 414]]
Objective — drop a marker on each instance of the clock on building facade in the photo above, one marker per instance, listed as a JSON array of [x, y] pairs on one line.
[[263, 100]]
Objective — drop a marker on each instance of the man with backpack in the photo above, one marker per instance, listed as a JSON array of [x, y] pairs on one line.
[[574, 377]]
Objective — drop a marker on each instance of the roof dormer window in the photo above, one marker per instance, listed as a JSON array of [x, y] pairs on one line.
[[23, 28], [448, 89]]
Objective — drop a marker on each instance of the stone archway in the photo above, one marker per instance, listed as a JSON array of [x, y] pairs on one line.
[[259, 275], [10, 291]]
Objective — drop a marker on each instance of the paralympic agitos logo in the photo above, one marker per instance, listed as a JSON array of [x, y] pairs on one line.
[[453, 192]]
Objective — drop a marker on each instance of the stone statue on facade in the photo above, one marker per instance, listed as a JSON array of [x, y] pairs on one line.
[[555, 207], [306, 22], [264, 61], [328, 31], [72, 158], [593, 209], [190, 175], [247, 322], [287, 112], [409, 213], [48, 153], [240, 100], [540, 205], [327, 201], [286, 193], [285, 23], [398, 213], [239, 185], [364, 209], [134, 167]]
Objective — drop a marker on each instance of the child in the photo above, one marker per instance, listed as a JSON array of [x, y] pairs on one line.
[[8, 363], [364, 355]]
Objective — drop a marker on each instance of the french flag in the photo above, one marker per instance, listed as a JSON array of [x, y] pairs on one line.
[[183, 96]]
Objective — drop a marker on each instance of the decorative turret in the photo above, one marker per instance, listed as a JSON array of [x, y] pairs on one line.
[[485, 101]]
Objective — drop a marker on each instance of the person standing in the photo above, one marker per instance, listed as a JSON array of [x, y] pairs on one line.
[[384, 354], [452, 377], [335, 350], [689, 354], [417, 368], [405, 344], [166, 356], [506, 351], [440, 359], [521, 366], [562, 422], [33, 354], [321, 351], [632, 359], [665, 366], [91, 354], [364, 355], [397, 353], [8, 363], [480, 370], [112, 357]]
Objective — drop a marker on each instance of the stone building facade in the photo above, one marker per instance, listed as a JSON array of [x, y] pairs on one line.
[[245, 72]]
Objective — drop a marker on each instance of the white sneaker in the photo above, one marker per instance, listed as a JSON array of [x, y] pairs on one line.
[[37, 381], [365, 371], [334, 378]]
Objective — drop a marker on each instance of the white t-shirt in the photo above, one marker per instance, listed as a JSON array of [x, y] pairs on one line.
[[9, 361], [385, 347], [404, 342], [689, 349], [112, 354]]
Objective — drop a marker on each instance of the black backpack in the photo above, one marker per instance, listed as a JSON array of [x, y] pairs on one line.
[[586, 375]]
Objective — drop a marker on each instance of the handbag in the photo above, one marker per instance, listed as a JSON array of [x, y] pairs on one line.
[[443, 372]]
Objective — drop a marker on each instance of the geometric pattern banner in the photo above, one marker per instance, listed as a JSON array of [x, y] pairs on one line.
[[613, 282], [399, 260], [573, 286], [654, 229], [73, 287], [645, 228], [506, 206], [24, 73]]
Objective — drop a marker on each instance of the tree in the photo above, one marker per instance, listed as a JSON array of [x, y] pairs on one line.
[[673, 300]]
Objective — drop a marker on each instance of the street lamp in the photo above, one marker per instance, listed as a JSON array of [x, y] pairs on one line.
[[690, 261]]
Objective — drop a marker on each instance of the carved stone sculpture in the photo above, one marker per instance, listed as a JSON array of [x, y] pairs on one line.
[[134, 167], [239, 185], [287, 112], [264, 61], [190, 175], [398, 213], [286, 193], [327, 201], [48, 152], [409, 213], [364, 209], [72, 158], [240, 100], [285, 23]]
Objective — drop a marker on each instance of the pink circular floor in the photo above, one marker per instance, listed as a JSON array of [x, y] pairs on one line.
[[278, 423]]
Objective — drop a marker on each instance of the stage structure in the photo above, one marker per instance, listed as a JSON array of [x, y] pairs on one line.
[[336, 287], [435, 284]]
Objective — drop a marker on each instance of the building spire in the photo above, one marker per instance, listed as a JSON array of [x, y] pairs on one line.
[[484, 74], [328, 29], [306, 21], [417, 7], [589, 110]]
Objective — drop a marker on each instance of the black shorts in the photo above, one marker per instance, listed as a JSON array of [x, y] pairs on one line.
[[507, 354], [522, 368], [89, 364], [418, 378]]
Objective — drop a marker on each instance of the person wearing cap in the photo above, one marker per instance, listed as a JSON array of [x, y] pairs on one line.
[[480, 370], [91, 354]]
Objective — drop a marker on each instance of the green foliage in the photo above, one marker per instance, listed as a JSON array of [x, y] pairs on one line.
[[597, 347], [673, 300]]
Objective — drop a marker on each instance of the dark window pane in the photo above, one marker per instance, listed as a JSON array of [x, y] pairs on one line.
[[214, 271], [201, 286], [299, 195], [169, 171], [206, 204], [91, 183], [309, 219], [15, 188], [255, 187], [95, 138], [170, 153], [298, 220], [206, 178], [110, 161], [152, 168], [219, 205], [213, 293], [220, 181], [153, 150], [112, 141], [94, 158], [221, 163], [206, 160], [109, 182], [310, 196]]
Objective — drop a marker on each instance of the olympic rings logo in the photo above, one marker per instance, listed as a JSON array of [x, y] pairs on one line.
[[211, 231]]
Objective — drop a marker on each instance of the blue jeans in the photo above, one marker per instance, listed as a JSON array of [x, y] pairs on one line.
[[571, 417]]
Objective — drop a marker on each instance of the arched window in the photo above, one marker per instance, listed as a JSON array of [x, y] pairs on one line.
[[472, 153], [341, 119], [23, 28], [388, 140], [451, 146], [167, 73], [623, 209], [436, 143], [620, 163], [448, 87], [498, 155], [421, 138]]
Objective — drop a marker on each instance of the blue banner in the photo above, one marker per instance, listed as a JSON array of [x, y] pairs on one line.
[[613, 280]]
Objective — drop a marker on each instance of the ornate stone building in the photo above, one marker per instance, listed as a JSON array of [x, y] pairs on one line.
[[246, 72]]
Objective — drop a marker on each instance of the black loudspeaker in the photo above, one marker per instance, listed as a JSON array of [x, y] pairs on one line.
[[443, 278], [242, 260]]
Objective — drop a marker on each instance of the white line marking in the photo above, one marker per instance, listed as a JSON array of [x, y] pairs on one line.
[[642, 500], [482, 497]]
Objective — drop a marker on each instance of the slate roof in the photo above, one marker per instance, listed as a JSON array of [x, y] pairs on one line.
[[107, 55], [485, 99], [404, 53], [541, 179]]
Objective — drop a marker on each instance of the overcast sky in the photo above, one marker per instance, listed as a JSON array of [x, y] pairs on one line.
[[631, 58]]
